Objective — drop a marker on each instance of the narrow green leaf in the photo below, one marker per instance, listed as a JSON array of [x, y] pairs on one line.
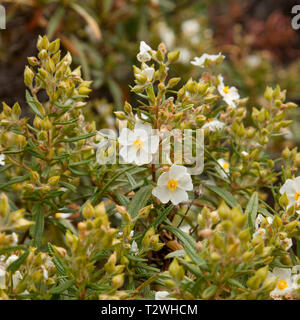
[[74, 139], [251, 210], [32, 104], [189, 245], [38, 228], [16, 264], [139, 200], [224, 194], [62, 287]]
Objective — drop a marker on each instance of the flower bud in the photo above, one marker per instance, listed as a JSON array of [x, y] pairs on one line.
[[173, 56], [4, 205], [88, 211], [176, 270], [54, 46], [54, 180], [118, 281], [28, 76]]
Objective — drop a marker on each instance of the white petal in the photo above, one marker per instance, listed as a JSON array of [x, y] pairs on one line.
[[176, 172], [178, 196], [163, 179], [142, 157], [128, 154], [126, 137], [186, 183], [162, 193]]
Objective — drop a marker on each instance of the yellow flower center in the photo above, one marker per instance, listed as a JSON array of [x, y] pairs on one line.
[[282, 284], [172, 184], [297, 195], [225, 165], [138, 144], [226, 89], [210, 120]]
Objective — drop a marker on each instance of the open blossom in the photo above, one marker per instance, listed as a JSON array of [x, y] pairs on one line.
[[163, 295], [144, 55], [285, 283], [138, 145], [292, 189], [2, 159], [200, 61], [229, 94], [173, 185], [225, 165], [148, 72], [213, 125]]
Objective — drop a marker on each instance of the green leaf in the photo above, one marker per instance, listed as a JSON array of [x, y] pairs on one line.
[[38, 228], [139, 200], [175, 254], [74, 139], [161, 217], [62, 287], [251, 210], [191, 267], [32, 104], [224, 194], [68, 186], [10, 249], [209, 292], [189, 245], [13, 267]]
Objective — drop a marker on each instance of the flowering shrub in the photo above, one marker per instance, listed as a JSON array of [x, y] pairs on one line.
[[77, 222]]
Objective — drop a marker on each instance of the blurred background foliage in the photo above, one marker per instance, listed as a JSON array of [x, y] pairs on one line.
[[103, 36]]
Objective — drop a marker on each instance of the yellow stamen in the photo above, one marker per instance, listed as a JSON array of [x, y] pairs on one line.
[[297, 195], [210, 120], [282, 284], [172, 184], [138, 144], [226, 89], [225, 165]]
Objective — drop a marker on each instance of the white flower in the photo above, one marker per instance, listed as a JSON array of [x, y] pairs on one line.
[[259, 232], [2, 158], [190, 27], [16, 277], [253, 61], [185, 55], [259, 220], [213, 125], [148, 72], [292, 189], [244, 153], [200, 61], [225, 165], [14, 238], [285, 283], [11, 259], [139, 145], [45, 273], [229, 94], [60, 215], [287, 243], [163, 295], [2, 277], [144, 55], [185, 228], [166, 34], [172, 185]]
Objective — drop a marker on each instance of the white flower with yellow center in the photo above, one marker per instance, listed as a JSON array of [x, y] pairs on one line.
[[148, 72], [229, 94], [211, 58], [225, 166], [173, 185], [292, 189], [2, 159], [145, 52], [138, 145], [213, 125], [285, 283]]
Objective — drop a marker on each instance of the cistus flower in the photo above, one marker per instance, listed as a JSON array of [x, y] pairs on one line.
[[138, 145], [148, 72], [229, 94], [213, 125], [212, 58], [173, 185], [144, 55], [2, 158], [163, 295], [225, 165], [285, 283], [292, 189]]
